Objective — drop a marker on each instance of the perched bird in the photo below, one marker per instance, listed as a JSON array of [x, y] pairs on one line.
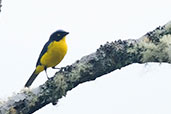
[[51, 55]]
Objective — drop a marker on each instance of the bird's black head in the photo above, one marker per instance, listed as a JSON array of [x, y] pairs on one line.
[[58, 35]]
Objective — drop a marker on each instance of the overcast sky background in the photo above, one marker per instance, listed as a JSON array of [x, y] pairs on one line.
[[25, 26]]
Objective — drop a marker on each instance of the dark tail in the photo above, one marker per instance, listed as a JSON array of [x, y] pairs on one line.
[[31, 79]]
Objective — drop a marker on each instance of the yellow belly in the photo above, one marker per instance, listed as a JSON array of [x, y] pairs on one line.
[[55, 53]]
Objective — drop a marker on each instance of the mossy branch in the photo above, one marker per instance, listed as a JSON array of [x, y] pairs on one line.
[[155, 46]]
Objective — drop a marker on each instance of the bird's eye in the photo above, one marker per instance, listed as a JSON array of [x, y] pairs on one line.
[[58, 35]]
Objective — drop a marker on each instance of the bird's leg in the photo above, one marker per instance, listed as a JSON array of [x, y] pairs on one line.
[[55, 67], [46, 73], [62, 68]]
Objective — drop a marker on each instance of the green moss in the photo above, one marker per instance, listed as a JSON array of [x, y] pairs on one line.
[[12, 110], [60, 86], [168, 27], [166, 39], [157, 52]]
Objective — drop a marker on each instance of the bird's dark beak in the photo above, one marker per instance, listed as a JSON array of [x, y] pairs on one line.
[[66, 33]]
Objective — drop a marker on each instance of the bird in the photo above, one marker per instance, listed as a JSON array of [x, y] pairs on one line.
[[51, 55]]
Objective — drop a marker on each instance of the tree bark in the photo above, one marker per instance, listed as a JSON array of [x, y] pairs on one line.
[[155, 46]]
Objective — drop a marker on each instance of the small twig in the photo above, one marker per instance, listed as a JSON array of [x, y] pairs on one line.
[[0, 5]]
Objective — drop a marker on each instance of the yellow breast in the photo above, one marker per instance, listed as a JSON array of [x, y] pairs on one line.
[[55, 53]]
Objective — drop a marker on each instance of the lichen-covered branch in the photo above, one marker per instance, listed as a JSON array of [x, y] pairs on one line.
[[0, 5], [155, 46]]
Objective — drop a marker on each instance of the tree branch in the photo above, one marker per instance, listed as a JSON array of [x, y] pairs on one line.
[[155, 46], [0, 5]]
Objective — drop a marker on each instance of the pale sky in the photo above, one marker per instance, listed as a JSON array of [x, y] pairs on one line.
[[25, 26]]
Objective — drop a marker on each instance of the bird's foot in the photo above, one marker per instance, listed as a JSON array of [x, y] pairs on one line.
[[56, 68]]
